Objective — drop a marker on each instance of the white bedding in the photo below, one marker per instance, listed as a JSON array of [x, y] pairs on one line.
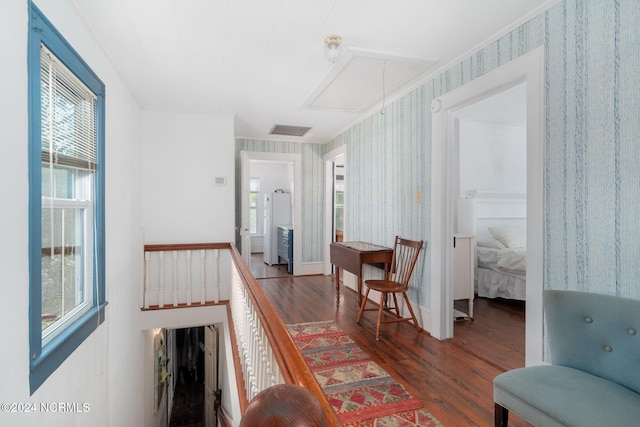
[[512, 260], [500, 284], [500, 225], [501, 271]]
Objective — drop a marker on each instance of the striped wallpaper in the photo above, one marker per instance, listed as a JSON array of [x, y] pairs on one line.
[[593, 151], [592, 159]]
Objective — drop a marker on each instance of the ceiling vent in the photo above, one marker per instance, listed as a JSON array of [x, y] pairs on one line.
[[288, 130]]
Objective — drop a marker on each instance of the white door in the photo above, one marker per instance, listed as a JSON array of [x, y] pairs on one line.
[[245, 235], [210, 375]]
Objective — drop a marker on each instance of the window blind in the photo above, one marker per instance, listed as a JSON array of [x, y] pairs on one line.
[[68, 116]]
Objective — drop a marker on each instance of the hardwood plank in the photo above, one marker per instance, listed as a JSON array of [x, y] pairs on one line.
[[496, 335], [450, 378]]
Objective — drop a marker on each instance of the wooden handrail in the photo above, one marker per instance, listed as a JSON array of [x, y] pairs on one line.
[[186, 247], [293, 366]]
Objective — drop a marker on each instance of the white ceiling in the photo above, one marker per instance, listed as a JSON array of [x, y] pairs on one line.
[[262, 61]]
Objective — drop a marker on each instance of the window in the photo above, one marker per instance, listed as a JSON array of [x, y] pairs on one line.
[[254, 202], [66, 199]]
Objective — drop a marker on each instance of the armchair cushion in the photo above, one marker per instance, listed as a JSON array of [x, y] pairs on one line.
[[560, 396]]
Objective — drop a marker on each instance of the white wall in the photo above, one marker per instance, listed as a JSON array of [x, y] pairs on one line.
[[182, 155], [273, 176], [492, 157], [104, 371]]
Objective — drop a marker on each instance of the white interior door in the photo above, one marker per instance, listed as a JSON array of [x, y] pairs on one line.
[[210, 375]]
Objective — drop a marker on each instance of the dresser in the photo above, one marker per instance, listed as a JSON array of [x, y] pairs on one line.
[[285, 245], [463, 270]]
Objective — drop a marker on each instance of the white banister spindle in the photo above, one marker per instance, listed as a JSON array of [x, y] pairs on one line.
[[189, 285], [161, 283], [264, 381], [145, 296], [175, 278], [171, 276], [259, 366], [203, 275], [216, 274]]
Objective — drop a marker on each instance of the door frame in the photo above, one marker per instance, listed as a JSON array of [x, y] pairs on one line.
[[329, 160], [528, 69], [296, 192]]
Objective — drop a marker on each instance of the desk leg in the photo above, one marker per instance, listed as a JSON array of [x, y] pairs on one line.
[[337, 269], [359, 291]]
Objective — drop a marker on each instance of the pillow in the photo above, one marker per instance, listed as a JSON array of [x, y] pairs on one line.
[[491, 242], [511, 237]]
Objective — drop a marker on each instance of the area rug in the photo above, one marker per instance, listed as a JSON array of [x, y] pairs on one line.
[[359, 390]]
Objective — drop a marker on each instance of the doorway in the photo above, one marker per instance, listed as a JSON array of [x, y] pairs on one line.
[[529, 70], [195, 362], [490, 186], [336, 201], [271, 185], [188, 402], [250, 162]]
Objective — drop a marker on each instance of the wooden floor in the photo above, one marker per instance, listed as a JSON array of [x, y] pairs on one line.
[[453, 379], [260, 270]]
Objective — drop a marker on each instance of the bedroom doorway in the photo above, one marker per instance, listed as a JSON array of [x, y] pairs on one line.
[[528, 70], [490, 142]]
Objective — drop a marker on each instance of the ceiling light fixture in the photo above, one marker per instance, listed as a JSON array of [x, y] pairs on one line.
[[333, 48]]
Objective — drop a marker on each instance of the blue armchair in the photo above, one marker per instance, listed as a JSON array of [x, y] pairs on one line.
[[594, 378]]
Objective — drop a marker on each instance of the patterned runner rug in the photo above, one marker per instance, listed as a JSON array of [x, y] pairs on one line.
[[360, 391]]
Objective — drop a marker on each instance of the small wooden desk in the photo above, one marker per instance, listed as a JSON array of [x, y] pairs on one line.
[[351, 256]]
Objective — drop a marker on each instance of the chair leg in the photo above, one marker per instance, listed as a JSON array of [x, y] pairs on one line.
[[380, 310], [395, 304], [364, 302], [501, 415], [413, 316]]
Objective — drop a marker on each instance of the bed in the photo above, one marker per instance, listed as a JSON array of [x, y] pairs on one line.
[[499, 222]]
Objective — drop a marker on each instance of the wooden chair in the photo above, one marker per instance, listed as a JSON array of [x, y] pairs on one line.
[[405, 255]]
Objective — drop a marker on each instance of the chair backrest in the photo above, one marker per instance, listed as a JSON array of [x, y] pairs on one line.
[[595, 333], [405, 256]]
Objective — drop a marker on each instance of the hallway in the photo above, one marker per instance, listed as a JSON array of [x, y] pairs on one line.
[[188, 399], [448, 377]]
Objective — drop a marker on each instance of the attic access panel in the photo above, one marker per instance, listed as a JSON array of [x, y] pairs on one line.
[[355, 83]]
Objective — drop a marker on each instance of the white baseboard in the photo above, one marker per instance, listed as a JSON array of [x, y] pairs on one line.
[[311, 268]]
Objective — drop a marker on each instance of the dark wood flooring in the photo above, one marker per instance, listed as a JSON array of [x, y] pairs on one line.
[[453, 378], [260, 270], [188, 405]]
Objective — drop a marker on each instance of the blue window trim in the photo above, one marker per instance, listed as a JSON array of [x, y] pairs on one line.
[[43, 361]]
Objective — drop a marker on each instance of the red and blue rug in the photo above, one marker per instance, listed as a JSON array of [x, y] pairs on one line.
[[360, 391]]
